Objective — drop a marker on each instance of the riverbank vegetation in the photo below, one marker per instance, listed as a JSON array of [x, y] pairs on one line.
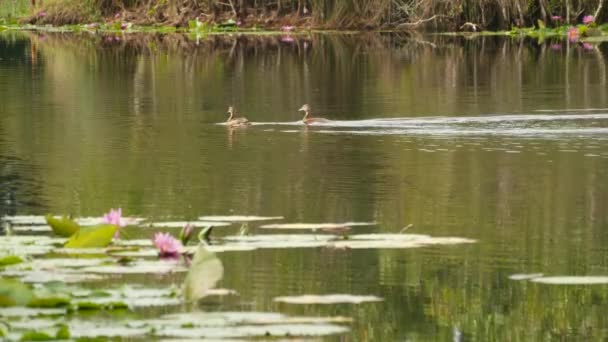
[[330, 14]]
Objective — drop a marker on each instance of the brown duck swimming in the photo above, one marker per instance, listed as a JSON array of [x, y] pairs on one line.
[[233, 121], [307, 119]]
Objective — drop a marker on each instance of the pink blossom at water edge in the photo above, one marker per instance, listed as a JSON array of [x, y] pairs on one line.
[[287, 39], [167, 245], [555, 47], [588, 19], [42, 14], [186, 233], [573, 34], [287, 28], [114, 217], [556, 17]]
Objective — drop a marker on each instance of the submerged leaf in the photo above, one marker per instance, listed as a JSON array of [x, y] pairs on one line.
[[14, 292], [93, 237], [206, 270], [63, 226]]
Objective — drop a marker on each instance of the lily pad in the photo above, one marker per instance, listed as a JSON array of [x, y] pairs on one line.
[[14, 293], [63, 226], [327, 299], [181, 224], [525, 276], [20, 311], [572, 280], [205, 271], [93, 237], [384, 241], [31, 228], [237, 218], [10, 260], [315, 226], [140, 267]]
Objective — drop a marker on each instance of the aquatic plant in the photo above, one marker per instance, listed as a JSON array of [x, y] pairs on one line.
[[167, 245], [186, 233], [588, 19], [573, 34]]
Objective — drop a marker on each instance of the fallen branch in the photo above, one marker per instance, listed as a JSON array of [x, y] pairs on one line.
[[598, 10]]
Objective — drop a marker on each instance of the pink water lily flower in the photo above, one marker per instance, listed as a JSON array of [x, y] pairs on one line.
[[287, 39], [114, 217], [167, 245], [588, 19], [288, 28], [556, 18], [573, 34]]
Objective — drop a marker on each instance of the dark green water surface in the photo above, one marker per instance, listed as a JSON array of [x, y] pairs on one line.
[[499, 140]]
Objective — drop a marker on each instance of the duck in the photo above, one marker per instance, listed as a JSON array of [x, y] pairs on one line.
[[307, 120], [233, 121]]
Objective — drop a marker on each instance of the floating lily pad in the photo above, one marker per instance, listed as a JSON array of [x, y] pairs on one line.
[[327, 299], [62, 226], [396, 241], [181, 224], [572, 280], [10, 260], [205, 271], [31, 229], [237, 218], [140, 267], [47, 276], [93, 237], [315, 226], [20, 311], [525, 276], [278, 330], [25, 219]]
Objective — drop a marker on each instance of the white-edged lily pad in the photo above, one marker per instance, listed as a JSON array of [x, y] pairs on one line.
[[237, 218], [525, 276], [276, 330], [572, 280], [31, 229], [140, 267], [47, 276], [387, 241], [19, 311], [196, 224], [327, 299], [315, 226]]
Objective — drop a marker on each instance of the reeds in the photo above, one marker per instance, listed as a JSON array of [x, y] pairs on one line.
[[340, 14]]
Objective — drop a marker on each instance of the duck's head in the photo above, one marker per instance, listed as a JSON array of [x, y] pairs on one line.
[[305, 108]]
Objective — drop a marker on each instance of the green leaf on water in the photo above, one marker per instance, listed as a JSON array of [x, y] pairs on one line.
[[92, 237], [63, 333], [63, 226], [14, 292], [36, 336], [205, 271], [49, 302], [10, 260]]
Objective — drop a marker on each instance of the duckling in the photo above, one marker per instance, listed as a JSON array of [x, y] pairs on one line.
[[233, 121], [307, 120]]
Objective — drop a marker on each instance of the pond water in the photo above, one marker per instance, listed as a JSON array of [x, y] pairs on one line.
[[499, 140]]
